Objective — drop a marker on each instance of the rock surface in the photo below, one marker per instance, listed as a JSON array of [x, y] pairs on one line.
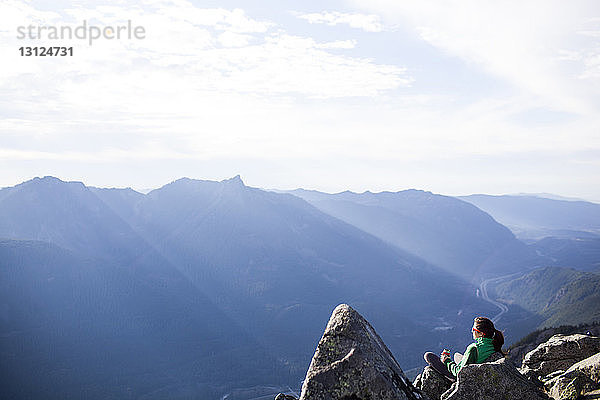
[[432, 383], [559, 353], [579, 380], [283, 396], [498, 380], [518, 351], [352, 362]]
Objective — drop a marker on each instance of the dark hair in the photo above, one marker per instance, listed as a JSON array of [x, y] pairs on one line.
[[486, 326]]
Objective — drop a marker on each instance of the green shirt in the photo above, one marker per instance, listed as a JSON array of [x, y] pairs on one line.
[[475, 353]]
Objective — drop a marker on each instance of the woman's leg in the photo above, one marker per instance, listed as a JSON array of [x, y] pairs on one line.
[[434, 361], [458, 358]]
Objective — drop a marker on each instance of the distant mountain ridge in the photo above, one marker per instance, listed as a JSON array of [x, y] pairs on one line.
[[450, 233], [532, 217], [69, 215], [550, 196]]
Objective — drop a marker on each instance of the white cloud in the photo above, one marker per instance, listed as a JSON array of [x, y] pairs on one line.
[[212, 49], [368, 23], [203, 83], [234, 20], [521, 42], [338, 44], [232, 39]]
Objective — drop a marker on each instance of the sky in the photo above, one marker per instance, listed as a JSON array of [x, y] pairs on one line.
[[454, 97]]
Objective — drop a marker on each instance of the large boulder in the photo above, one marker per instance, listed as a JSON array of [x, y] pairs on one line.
[[518, 351], [352, 362], [432, 383], [559, 353], [579, 380], [498, 380]]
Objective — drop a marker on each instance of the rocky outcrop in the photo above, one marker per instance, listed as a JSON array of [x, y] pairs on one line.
[[498, 380], [352, 362], [578, 381], [518, 350], [558, 353], [432, 383]]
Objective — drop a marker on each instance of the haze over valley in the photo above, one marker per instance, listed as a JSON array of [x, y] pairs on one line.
[[206, 288]]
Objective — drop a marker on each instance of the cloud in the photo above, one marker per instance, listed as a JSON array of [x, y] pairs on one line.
[[522, 43], [368, 23], [232, 39], [204, 82], [213, 49], [234, 20], [338, 44]]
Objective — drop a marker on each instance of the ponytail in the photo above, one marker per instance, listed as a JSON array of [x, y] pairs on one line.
[[498, 340]]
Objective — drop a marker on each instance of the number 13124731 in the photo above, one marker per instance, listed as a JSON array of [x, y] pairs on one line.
[[46, 51]]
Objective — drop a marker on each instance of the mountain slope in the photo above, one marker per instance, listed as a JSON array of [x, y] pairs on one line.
[[447, 232], [532, 217], [69, 215], [560, 296], [580, 253], [73, 327]]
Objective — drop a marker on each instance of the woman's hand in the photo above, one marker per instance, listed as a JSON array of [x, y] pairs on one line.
[[445, 355]]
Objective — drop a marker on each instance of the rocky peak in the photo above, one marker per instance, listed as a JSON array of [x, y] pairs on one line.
[[352, 362], [235, 181], [50, 182]]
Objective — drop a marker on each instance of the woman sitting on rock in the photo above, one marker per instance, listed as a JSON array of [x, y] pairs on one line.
[[488, 340]]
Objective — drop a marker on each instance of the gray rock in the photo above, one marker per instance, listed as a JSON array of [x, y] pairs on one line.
[[551, 375], [579, 380], [517, 352], [498, 380], [352, 362], [559, 352], [593, 395], [432, 383], [283, 396], [497, 356]]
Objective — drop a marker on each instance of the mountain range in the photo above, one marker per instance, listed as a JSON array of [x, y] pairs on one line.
[[200, 288], [270, 266], [443, 230]]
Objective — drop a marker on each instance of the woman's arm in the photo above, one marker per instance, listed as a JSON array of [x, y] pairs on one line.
[[470, 357]]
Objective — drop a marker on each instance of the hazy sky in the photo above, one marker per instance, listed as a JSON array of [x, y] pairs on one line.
[[455, 97]]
